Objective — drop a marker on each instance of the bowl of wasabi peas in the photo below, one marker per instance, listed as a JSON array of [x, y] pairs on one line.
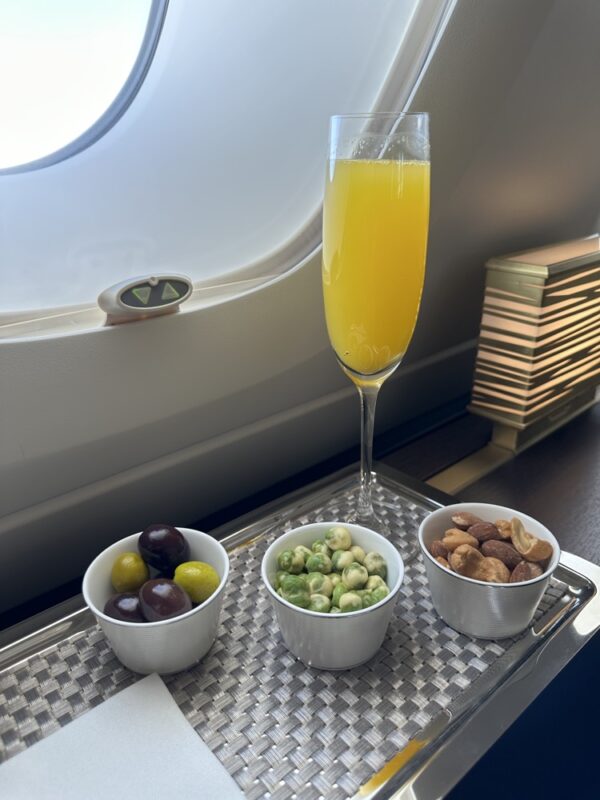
[[333, 587]]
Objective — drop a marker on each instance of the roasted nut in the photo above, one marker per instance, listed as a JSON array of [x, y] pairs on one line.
[[525, 571], [468, 561], [465, 559], [441, 560], [493, 570], [504, 528], [438, 549], [454, 537], [483, 531], [464, 520], [502, 550], [528, 545]]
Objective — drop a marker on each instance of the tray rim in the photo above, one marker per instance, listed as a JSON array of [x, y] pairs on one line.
[[454, 740]]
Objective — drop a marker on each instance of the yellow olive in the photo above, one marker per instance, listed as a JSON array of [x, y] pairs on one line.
[[129, 572], [198, 579]]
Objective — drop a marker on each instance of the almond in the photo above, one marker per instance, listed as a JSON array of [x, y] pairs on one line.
[[503, 551], [483, 531], [525, 571], [464, 520], [438, 549]]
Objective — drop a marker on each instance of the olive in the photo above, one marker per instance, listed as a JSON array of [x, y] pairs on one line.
[[163, 547], [124, 606], [162, 599], [128, 573]]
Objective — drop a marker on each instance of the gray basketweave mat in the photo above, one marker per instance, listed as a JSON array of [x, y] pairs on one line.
[[282, 730]]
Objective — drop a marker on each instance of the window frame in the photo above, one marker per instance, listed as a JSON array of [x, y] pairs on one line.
[[120, 104]]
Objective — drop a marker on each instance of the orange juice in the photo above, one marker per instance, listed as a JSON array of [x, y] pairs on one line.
[[375, 222]]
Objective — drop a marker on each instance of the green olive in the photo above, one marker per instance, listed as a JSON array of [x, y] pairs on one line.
[[129, 572]]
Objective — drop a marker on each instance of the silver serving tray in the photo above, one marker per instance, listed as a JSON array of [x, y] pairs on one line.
[[409, 724]]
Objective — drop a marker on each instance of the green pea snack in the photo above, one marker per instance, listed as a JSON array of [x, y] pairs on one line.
[[332, 576]]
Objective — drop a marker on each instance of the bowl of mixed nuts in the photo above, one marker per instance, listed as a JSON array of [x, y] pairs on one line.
[[488, 567]]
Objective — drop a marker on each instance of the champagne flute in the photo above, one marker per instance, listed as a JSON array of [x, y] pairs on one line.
[[375, 224]]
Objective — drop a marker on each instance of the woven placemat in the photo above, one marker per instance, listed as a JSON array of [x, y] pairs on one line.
[[282, 730]]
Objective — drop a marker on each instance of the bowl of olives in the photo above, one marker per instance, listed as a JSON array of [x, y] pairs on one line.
[[333, 586], [157, 595]]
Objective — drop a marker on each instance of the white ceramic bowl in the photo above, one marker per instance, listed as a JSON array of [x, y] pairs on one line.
[[171, 645], [334, 641], [479, 609]]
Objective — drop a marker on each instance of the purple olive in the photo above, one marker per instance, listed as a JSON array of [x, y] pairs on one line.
[[125, 607], [163, 547], [162, 599]]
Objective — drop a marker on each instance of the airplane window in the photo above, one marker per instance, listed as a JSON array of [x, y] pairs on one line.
[[216, 171], [64, 64]]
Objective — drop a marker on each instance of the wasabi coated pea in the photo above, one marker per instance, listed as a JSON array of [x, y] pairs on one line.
[[318, 602], [369, 600], [293, 589], [319, 562], [341, 559], [278, 576], [358, 553], [355, 576], [290, 562], [338, 538], [332, 576], [375, 581], [303, 551], [338, 591], [317, 583], [375, 565], [379, 593], [320, 547], [350, 601]]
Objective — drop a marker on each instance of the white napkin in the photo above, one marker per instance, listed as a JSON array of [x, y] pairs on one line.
[[137, 746]]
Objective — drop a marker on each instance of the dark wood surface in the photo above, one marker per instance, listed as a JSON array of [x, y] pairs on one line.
[[556, 481]]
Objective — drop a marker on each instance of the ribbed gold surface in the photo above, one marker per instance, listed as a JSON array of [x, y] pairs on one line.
[[539, 342]]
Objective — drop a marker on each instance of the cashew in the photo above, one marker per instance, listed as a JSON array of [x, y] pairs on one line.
[[504, 528], [468, 561], [453, 538], [465, 559], [528, 545]]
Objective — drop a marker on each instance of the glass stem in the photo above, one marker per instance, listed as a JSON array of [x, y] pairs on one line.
[[368, 401]]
